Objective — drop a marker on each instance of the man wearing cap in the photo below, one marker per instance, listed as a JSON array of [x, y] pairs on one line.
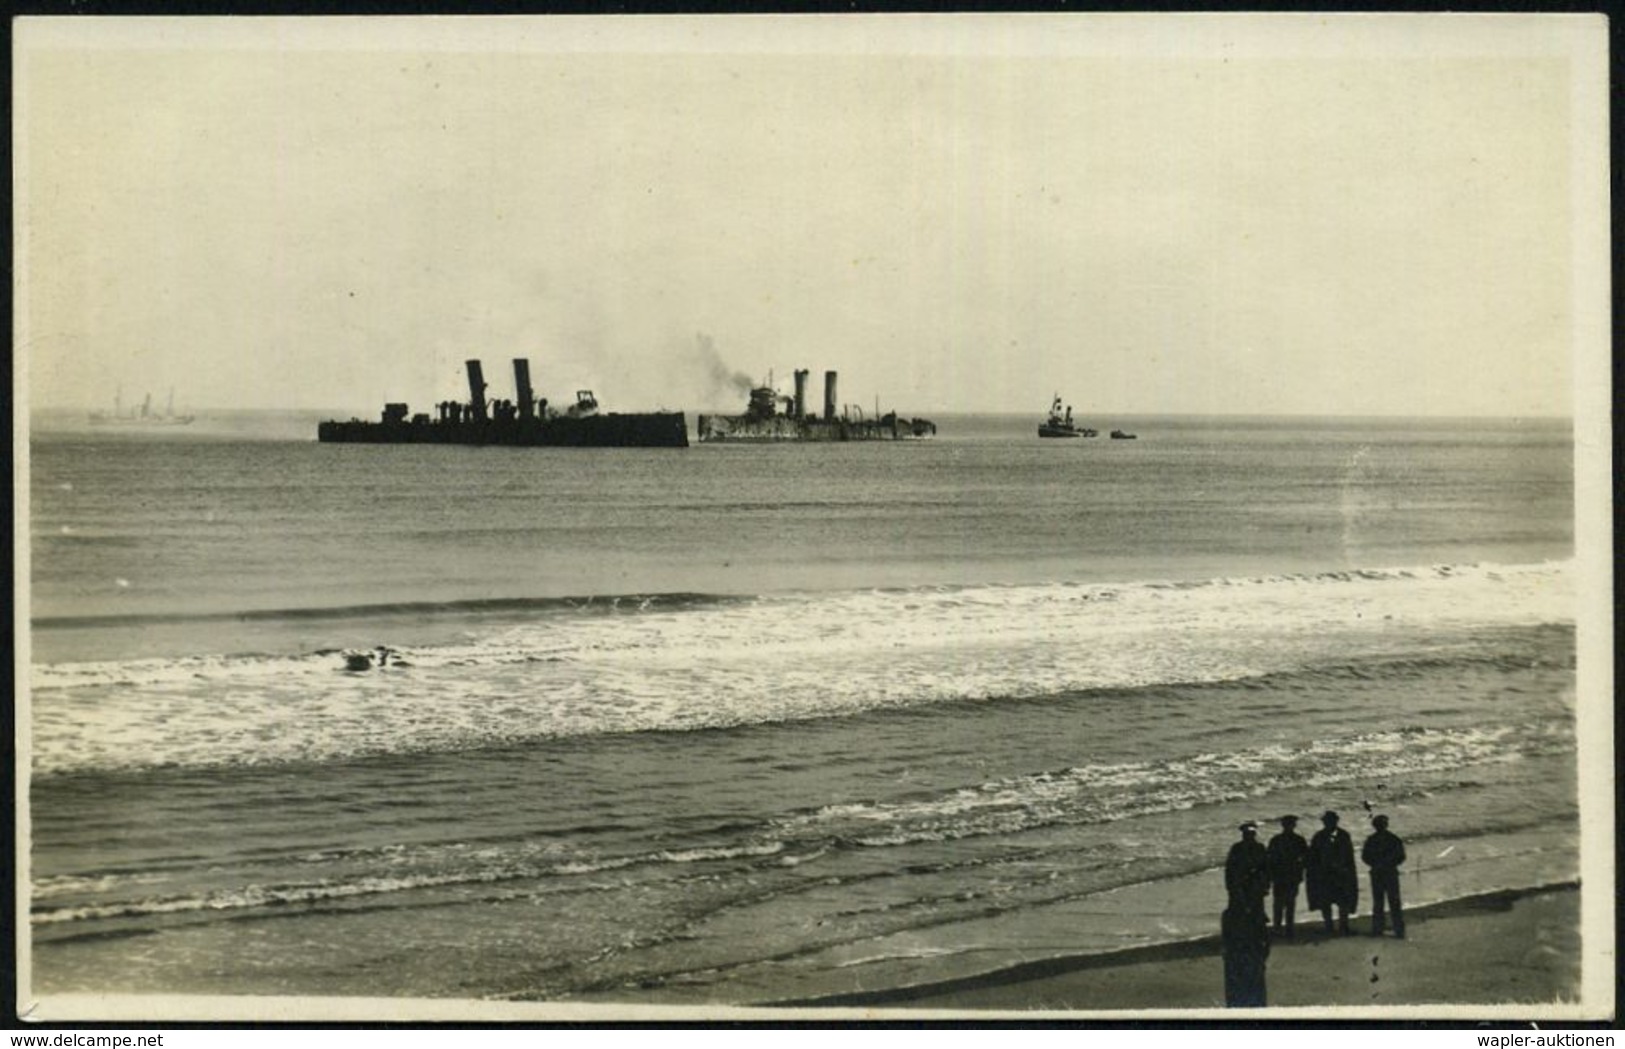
[[1246, 870], [1383, 852], [1286, 854], [1333, 880]]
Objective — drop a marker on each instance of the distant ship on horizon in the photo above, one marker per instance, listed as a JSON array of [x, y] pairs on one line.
[[144, 415]]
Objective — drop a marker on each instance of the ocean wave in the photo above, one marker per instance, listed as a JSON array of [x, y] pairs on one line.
[[1112, 792], [591, 603], [1103, 793], [414, 869], [699, 662], [680, 600], [257, 896]]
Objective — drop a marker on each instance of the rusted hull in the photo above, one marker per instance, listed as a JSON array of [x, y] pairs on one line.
[[741, 429], [634, 430]]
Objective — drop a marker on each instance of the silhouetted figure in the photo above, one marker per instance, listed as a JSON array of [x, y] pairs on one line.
[[1383, 852], [1287, 852], [1333, 880], [1245, 938], [1246, 870]]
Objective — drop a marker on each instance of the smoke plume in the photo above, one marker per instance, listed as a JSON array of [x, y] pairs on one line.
[[723, 378]]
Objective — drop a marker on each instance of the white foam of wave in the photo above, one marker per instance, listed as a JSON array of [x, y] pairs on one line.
[[701, 855], [333, 875], [412, 868], [776, 658], [52, 887], [252, 896], [908, 954]]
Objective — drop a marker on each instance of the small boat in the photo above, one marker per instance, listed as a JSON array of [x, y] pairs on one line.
[[357, 660], [1119, 435], [1059, 424]]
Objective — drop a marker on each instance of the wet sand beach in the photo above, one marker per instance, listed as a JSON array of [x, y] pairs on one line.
[[1515, 947]]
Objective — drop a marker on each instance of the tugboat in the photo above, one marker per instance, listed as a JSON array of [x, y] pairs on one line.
[[1060, 425], [1120, 435]]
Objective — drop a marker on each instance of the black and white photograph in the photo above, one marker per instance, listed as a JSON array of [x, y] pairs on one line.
[[599, 518]]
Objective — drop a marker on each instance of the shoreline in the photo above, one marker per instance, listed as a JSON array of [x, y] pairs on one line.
[[1141, 977], [1459, 945]]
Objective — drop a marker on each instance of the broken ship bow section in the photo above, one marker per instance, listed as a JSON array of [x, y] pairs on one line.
[[525, 422], [766, 420]]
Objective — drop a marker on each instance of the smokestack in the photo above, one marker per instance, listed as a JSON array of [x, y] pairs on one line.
[[521, 381], [476, 390], [829, 397], [801, 393]]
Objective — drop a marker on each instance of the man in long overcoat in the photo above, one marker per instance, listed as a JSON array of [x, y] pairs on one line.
[[1333, 879], [1286, 853]]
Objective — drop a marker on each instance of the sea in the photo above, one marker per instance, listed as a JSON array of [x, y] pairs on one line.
[[753, 724]]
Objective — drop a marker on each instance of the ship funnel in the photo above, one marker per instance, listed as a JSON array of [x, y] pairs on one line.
[[476, 390], [829, 397], [521, 382], [801, 393]]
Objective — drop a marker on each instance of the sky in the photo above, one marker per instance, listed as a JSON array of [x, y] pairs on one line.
[[1175, 214]]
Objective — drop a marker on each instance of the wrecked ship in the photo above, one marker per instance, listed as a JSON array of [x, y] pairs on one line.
[[770, 416], [526, 421]]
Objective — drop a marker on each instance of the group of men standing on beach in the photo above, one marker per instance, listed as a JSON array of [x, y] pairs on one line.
[[1253, 870]]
